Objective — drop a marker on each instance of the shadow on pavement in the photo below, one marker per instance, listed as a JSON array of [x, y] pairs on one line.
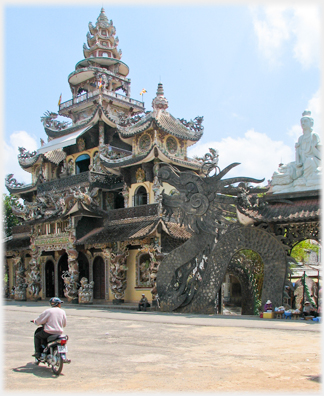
[[315, 378], [38, 371]]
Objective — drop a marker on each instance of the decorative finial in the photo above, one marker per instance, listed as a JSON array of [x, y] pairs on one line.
[[160, 91], [160, 102]]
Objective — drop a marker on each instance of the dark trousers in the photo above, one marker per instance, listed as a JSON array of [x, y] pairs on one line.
[[311, 313], [144, 305], [40, 338]]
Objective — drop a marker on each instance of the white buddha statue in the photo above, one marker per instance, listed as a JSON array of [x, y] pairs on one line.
[[305, 172]]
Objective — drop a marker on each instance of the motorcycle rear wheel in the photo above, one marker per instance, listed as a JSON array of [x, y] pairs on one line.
[[58, 366]]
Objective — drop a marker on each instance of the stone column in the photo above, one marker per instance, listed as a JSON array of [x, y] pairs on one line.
[[227, 291], [71, 278], [125, 194], [101, 135], [20, 287], [34, 277], [118, 272]]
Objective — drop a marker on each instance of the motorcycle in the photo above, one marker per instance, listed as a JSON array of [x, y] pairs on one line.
[[54, 353]]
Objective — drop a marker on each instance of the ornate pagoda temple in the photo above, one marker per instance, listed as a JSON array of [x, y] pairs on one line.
[[93, 226], [92, 219]]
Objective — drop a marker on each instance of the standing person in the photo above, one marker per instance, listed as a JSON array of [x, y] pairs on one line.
[[53, 319], [143, 303]]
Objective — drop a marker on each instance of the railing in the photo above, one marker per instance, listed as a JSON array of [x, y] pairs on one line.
[[136, 211], [94, 179], [95, 93]]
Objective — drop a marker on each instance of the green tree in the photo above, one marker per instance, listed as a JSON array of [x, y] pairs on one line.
[[9, 219], [300, 252]]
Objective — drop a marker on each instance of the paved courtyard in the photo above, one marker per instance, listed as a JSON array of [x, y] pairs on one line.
[[127, 351]]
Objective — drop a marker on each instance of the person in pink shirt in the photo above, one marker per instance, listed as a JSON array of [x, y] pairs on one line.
[[53, 320]]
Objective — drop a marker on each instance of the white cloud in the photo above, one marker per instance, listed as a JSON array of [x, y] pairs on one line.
[[281, 28], [306, 27], [258, 154], [10, 152], [271, 31], [314, 105]]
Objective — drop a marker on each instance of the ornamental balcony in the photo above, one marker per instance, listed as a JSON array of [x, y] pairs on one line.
[[108, 95], [133, 212], [84, 179]]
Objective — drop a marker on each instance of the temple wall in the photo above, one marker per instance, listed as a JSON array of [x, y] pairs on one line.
[[133, 294]]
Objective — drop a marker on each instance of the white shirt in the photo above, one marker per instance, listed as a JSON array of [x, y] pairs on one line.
[[53, 319]]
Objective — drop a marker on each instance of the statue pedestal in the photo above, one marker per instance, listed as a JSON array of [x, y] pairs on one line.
[[86, 298], [20, 295], [118, 302]]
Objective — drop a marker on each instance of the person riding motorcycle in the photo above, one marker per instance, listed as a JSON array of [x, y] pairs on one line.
[[53, 320]]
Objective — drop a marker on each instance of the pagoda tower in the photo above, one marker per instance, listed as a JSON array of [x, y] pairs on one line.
[[98, 77]]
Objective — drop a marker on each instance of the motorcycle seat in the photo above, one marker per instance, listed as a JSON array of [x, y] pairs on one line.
[[53, 337]]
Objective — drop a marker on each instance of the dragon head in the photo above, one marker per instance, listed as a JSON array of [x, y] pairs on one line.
[[203, 204]]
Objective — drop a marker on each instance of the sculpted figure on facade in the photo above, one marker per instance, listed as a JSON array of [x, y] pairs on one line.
[[20, 288], [125, 194], [49, 121], [33, 277], [12, 182], [305, 172], [85, 291], [118, 272]]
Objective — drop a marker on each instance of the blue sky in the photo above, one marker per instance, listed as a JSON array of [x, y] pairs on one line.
[[250, 68]]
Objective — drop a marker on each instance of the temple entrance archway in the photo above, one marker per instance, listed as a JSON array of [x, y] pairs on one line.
[[99, 278], [304, 274], [237, 238], [49, 279], [61, 268], [242, 284]]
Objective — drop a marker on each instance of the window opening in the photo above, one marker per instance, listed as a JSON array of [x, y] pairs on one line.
[[82, 163], [140, 197]]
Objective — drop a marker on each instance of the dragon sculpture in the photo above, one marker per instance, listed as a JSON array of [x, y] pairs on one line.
[[49, 121], [207, 207]]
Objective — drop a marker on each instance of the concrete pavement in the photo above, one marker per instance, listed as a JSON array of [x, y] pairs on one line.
[[118, 350]]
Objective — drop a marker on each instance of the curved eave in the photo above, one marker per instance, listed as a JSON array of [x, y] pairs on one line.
[[139, 127], [270, 214], [147, 157], [127, 161], [106, 118], [105, 62], [87, 51], [86, 73], [163, 121], [176, 160], [55, 133], [91, 40], [27, 165], [172, 126], [23, 189]]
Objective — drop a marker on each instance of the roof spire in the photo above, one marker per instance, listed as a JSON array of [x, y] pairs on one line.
[[160, 102]]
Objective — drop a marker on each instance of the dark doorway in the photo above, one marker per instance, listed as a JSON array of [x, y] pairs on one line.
[[82, 163], [83, 266], [119, 201], [61, 268], [99, 278], [140, 197], [50, 280]]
